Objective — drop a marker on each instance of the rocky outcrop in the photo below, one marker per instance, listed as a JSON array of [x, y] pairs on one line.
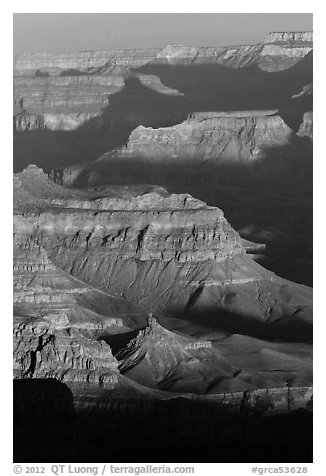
[[250, 162], [282, 50], [93, 61], [151, 227], [25, 121], [153, 82], [306, 127], [277, 36], [281, 56], [83, 61], [161, 359], [210, 142], [67, 102], [42, 289], [45, 94], [44, 351], [61, 103], [233, 57], [64, 92], [234, 136], [306, 91], [67, 90], [276, 50], [91, 264], [171, 260], [268, 56], [57, 318]]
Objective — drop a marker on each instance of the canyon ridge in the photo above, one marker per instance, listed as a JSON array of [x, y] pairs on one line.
[[163, 252]]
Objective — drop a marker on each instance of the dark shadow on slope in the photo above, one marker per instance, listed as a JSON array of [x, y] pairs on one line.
[[43, 418], [118, 341], [293, 264], [284, 202], [179, 431], [286, 329], [276, 192], [283, 330], [171, 431], [48, 400], [302, 72], [206, 88], [134, 105], [293, 115], [219, 88]]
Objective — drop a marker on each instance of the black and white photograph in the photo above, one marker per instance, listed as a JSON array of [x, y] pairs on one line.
[[162, 240]]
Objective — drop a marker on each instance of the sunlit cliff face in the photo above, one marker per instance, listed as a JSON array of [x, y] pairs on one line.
[[94, 260]]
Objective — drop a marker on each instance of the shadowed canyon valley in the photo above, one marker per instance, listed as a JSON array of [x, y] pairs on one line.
[[163, 253]]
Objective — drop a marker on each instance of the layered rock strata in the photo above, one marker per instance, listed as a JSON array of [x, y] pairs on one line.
[[239, 136], [42, 350], [206, 142], [169, 259], [276, 36], [294, 45], [63, 92], [83, 61], [161, 359], [91, 264], [306, 127], [250, 162], [62, 103]]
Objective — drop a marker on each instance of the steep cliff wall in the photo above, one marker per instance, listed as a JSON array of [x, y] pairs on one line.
[[162, 359], [63, 92], [235, 136], [252, 163], [85, 61], [52, 311], [235, 56], [307, 90], [57, 318], [62, 103], [276, 36], [205, 143], [306, 127], [274, 55], [172, 260], [91, 264], [44, 351], [67, 102]]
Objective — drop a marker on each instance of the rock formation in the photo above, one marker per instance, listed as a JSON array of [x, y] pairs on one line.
[[68, 90], [131, 296], [204, 141], [45, 351], [211, 136], [88, 61], [62, 103], [215, 153], [83, 61], [306, 127], [162, 359], [78, 254], [296, 36], [180, 257]]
